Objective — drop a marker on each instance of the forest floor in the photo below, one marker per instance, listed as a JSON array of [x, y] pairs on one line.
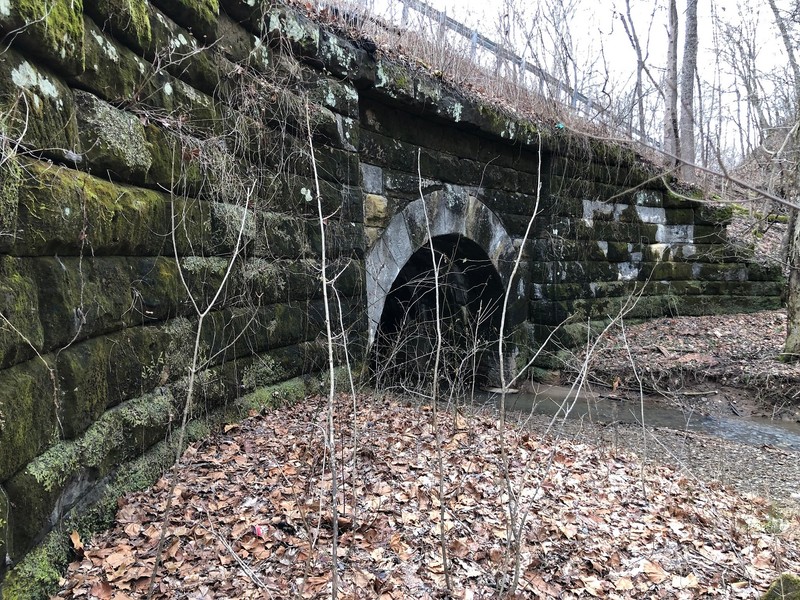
[[565, 515]]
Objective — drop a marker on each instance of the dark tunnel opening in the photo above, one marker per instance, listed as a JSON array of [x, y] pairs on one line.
[[471, 295]]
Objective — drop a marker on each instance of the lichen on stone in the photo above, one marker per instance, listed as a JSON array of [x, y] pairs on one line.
[[10, 182], [51, 29]]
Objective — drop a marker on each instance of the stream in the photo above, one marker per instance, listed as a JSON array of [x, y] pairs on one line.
[[595, 408]]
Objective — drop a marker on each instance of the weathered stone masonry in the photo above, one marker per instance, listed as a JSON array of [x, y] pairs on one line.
[[123, 112]]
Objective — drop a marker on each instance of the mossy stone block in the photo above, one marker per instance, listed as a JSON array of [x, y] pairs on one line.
[[113, 143], [28, 399], [140, 358], [55, 481], [38, 107], [341, 58], [67, 212], [241, 47], [52, 30], [4, 528], [171, 166], [786, 587], [159, 293], [127, 20], [279, 235], [34, 492], [19, 303], [83, 297], [37, 576], [198, 16], [113, 72], [10, 182], [176, 48], [82, 374], [285, 26], [338, 96]]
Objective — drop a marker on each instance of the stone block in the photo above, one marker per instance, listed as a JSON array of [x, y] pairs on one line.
[[180, 52], [337, 166], [345, 61], [55, 481], [67, 212], [28, 399], [126, 20], [117, 75], [376, 210], [342, 239], [51, 30], [21, 333], [285, 26], [280, 235], [113, 143], [198, 16], [289, 280], [171, 166], [39, 107], [82, 372], [338, 96], [141, 358], [113, 72], [239, 46], [157, 291], [81, 298], [371, 179]]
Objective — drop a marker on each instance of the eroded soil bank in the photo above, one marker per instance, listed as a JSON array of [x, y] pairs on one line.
[[719, 405]]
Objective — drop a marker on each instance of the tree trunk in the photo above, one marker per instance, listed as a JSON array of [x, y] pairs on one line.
[[671, 145], [687, 149], [791, 350]]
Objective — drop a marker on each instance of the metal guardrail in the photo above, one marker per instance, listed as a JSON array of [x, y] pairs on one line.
[[578, 101]]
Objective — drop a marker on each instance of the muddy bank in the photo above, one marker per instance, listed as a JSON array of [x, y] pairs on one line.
[[718, 404]]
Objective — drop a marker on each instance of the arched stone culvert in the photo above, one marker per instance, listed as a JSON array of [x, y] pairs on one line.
[[462, 227]]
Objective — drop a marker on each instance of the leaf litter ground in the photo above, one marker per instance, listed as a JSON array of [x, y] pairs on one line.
[[251, 517]]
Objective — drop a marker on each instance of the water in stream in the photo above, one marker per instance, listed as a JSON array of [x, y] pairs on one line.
[[556, 400]]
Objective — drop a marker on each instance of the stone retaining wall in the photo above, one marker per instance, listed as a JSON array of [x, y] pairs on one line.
[[150, 143]]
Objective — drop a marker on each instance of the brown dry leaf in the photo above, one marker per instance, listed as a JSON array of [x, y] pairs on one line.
[[682, 583], [654, 571], [589, 525], [623, 584], [77, 544], [122, 557], [592, 585], [102, 590]]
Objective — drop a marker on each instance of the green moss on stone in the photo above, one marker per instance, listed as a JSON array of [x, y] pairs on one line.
[[198, 16], [27, 414], [299, 32], [181, 54], [10, 182], [36, 107], [82, 373], [19, 299], [61, 208], [112, 140], [37, 576], [113, 72], [50, 29], [127, 20], [786, 587]]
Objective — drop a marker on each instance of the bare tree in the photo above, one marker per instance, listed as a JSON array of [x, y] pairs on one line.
[[688, 70], [671, 133]]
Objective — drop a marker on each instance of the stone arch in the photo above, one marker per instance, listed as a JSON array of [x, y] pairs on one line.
[[451, 211]]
